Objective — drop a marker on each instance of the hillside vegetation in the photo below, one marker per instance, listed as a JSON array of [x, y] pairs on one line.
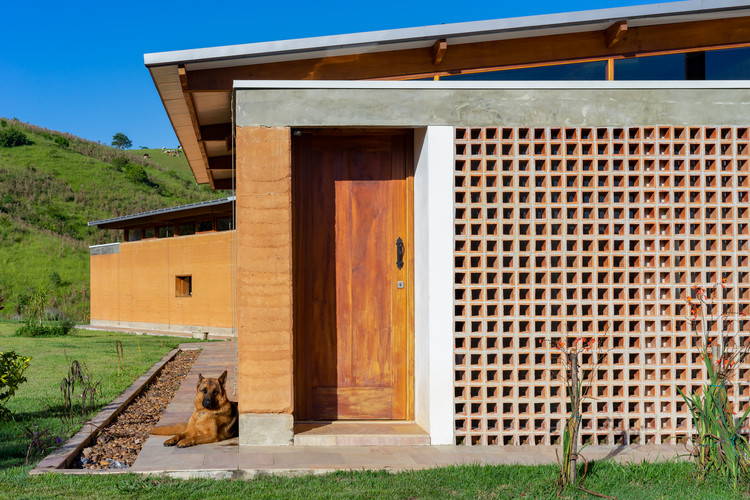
[[51, 188]]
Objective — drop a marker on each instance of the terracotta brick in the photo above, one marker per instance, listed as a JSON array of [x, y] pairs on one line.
[[566, 232]]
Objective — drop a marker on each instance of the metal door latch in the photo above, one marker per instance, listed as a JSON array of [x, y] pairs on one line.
[[399, 253]]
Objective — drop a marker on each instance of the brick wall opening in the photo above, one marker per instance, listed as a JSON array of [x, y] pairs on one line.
[[581, 231]]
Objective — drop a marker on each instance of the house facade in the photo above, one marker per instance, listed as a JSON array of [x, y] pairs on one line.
[[412, 251]]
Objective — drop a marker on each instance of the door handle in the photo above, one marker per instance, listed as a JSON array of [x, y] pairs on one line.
[[399, 253]]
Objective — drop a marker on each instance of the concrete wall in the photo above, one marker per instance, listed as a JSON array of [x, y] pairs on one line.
[[133, 284], [433, 283], [400, 105]]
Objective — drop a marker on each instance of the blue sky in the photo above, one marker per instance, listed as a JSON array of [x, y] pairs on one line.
[[77, 67]]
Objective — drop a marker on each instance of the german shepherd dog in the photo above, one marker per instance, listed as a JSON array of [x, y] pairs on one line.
[[215, 417]]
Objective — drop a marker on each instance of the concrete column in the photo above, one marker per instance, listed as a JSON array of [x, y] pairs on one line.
[[433, 276], [264, 285]]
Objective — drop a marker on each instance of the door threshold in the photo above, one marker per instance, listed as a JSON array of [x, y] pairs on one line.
[[360, 433]]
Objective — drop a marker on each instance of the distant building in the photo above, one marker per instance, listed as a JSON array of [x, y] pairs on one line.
[[173, 271]]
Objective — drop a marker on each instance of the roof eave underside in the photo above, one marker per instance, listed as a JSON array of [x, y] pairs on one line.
[[166, 214], [165, 66]]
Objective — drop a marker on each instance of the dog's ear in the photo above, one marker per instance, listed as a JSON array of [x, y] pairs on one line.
[[223, 377], [200, 379]]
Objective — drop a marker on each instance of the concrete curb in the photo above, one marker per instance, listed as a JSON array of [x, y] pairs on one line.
[[61, 459], [154, 333]]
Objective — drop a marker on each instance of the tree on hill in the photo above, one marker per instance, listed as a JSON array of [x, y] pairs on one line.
[[121, 141]]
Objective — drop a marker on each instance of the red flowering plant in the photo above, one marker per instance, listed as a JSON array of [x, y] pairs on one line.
[[718, 445], [581, 357]]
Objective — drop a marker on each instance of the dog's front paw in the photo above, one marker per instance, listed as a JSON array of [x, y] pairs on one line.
[[185, 443], [171, 441]]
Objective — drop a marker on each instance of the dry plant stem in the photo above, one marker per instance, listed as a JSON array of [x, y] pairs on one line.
[[576, 354], [575, 420]]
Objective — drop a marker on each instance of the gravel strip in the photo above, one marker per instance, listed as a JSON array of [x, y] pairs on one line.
[[118, 444]]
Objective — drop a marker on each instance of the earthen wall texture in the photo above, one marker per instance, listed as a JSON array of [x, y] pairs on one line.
[[563, 233], [138, 283], [264, 270]]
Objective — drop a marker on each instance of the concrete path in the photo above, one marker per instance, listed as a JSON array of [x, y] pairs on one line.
[[229, 460]]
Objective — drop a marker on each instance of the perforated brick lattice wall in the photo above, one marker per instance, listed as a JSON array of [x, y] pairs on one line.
[[579, 231]]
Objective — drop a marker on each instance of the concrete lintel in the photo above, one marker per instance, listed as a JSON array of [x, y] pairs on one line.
[[394, 106], [259, 429], [107, 248]]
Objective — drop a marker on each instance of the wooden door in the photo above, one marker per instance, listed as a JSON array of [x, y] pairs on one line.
[[352, 297]]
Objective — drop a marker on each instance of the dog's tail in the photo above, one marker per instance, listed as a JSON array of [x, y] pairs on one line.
[[168, 430]]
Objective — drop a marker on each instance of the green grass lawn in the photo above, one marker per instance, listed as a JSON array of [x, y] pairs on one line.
[[37, 403], [641, 481], [38, 400]]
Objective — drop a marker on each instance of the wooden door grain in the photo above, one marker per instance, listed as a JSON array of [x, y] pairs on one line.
[[352, 319]]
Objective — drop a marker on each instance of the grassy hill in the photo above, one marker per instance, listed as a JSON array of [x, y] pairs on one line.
[[51, 188]]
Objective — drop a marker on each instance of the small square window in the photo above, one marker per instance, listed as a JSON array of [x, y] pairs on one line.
[[205, 225], [166, 231], [133, 235], [186, 229], [149, 232], [183, 286], [224, 224]]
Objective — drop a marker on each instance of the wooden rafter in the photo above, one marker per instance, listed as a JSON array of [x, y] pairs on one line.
[[187, 94], [615, 33], [439, 48], [499, 54]]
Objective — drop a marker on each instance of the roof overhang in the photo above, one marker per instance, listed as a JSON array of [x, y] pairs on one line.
[[170, 214], [195, 85]]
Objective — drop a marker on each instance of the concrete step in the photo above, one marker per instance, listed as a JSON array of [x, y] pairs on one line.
[[360, 433]]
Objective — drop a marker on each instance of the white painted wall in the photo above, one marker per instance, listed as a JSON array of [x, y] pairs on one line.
[[433, 281]]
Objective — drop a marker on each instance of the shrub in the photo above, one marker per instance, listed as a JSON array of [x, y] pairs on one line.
[[61, 141], [38, 305], [119, 163], [12, 137], [12, 367], [55, 279], [34, 330], [136, 173]]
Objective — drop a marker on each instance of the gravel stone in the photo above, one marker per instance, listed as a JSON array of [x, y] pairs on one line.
[[118, 444]]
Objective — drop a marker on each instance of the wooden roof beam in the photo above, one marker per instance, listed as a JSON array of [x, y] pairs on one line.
[[187, 95], [439, 48], [499, 54], [615, 33]]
